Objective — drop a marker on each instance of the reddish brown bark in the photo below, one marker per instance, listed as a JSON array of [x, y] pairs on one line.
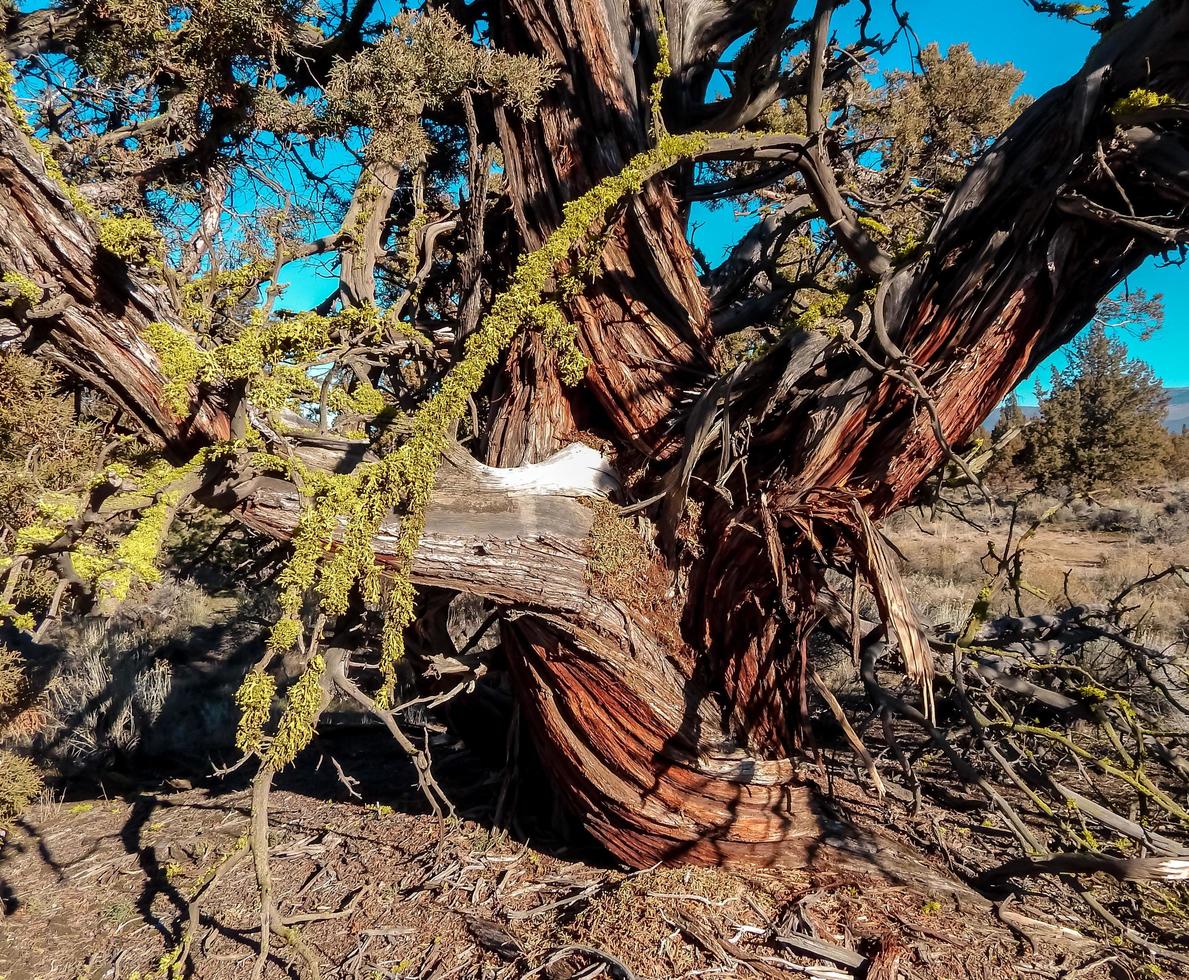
[[644, 319]]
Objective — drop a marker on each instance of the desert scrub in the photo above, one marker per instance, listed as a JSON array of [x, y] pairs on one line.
[[20, 782]]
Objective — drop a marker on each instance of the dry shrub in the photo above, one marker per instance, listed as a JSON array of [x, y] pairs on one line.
[[106, 697], [20, 781], [619, 559], [113, 683], [43, 447]]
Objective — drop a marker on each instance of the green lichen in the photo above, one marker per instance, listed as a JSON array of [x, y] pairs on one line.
[[283, 384], [875, 227], [271, 355], [664, 69], [134, 240], [181, 362], [562, 336], [296, 727], [368, 193], [219, 291], [285, 633], [363, 399], [26, 288], [254, 700], [831, 306], [55, 511], [1138, 100], [135, 557], [409, 252]]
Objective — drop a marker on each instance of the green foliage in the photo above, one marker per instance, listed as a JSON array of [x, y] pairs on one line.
[[12, 685], [1101, 423], [424, 59], [45, 453], [618, 557], [1177, 462], [20, 782], [1009, 439], [928, 127]]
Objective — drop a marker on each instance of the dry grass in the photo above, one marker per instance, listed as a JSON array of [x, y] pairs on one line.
[[1087, 553]]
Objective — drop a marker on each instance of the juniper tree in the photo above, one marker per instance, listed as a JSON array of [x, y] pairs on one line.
[[517, 329], [1177, 463], [1009, 441], [1101, 422]]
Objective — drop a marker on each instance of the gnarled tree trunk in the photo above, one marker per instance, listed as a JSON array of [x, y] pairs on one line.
[[670, 725]]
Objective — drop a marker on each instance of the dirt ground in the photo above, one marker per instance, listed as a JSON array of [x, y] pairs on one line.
[[94, 880], [95, 888]]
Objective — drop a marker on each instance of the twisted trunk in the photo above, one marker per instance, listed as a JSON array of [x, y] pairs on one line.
[[670, 728]]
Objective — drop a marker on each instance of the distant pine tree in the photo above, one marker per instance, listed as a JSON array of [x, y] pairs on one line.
[[1177, 463], [1009, 442], [1102, 423]]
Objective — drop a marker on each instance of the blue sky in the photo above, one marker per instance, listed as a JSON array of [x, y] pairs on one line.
[[1048, 51]]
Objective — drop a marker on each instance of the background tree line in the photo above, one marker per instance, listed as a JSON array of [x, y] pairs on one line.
[[1100, 424]]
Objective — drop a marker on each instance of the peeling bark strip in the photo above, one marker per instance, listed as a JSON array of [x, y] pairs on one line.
[[670, 729]]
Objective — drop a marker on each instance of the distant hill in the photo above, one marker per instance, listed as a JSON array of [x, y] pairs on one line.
[[1178, 410]]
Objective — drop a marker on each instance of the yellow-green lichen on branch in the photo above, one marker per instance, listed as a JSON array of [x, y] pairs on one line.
[[830, 306], [1139, 100], [254, 700], [664, 69], [562, 336], [270, 354], [181, 362], [25, 287], [296, 727], [135, 240]]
